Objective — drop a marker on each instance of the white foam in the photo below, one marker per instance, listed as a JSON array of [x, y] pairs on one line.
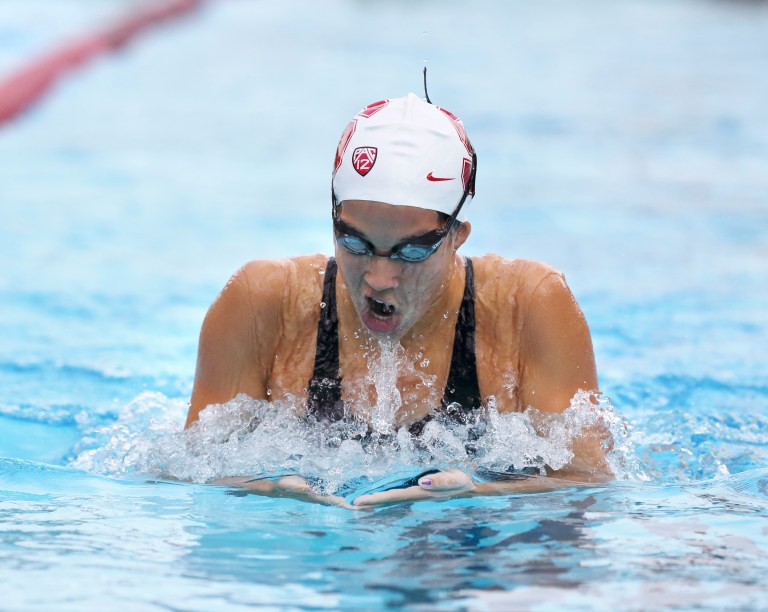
[[246, 437]]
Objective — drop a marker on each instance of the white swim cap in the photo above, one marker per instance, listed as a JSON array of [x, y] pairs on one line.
[[405, 152]]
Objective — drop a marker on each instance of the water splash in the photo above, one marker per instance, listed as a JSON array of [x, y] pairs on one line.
[[256, 438], [383, 375]]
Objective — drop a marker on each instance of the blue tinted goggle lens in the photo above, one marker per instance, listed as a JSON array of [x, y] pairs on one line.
[[406, 252]]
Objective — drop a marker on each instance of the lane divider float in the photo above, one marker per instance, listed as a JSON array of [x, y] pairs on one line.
[[23, 88]]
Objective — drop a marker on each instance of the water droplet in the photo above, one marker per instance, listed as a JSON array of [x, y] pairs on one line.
[[445, 315], [321, 272], [269, 391], [425, 363], [274, 436], [323, 304]]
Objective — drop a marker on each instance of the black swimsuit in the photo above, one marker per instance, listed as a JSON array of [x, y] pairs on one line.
[[462, 392]]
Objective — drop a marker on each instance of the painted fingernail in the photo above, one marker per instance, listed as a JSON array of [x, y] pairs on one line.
[[426, 483]]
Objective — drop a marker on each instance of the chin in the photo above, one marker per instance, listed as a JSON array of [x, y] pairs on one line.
[[389, 327]]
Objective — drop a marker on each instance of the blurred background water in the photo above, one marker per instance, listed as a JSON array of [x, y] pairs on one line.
[[625, 143]]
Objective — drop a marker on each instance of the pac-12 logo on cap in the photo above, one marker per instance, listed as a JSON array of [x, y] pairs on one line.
[[363, 159]]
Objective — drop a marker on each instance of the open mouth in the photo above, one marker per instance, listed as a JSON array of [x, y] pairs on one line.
[[379, 316], [380, 309]]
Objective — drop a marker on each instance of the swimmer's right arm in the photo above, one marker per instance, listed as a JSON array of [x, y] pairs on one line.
[[238, 337], [290, 486]]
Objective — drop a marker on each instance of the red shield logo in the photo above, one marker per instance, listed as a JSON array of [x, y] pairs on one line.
[[363, 159]]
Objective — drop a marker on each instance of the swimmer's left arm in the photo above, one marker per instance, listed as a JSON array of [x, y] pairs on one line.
[[557, 361], [456, 483]]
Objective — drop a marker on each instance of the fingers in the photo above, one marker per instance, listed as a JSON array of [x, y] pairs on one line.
[[298, 487], [439, 486], [293, 484], [334, 500], [451, 480]]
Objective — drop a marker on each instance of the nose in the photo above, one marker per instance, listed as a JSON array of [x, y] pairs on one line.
[[382, 273]]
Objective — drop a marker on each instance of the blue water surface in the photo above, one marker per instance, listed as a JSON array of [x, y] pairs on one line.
[[625, 143]]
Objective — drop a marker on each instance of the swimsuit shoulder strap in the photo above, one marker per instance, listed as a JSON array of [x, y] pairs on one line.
[[462, 391], [325, 385], [462, 386]]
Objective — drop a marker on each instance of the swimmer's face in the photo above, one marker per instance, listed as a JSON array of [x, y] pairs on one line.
[[391, 295]]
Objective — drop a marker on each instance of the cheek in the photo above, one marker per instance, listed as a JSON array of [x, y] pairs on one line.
[[351, 267], [425, 282]]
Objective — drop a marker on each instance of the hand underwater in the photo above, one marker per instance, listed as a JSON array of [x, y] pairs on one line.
[[447, 484], [291, 486], [454, 483], [439, 486]]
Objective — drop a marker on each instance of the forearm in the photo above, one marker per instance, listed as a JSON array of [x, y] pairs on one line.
[[529, 484]]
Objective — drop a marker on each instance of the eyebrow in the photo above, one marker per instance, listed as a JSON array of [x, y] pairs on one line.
[[353, 230]]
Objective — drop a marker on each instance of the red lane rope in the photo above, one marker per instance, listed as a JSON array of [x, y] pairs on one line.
[[23, 88]]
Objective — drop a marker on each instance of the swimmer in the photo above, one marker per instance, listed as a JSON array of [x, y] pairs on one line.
[[483, 328]]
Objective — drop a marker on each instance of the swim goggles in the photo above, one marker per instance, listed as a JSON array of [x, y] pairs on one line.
[[412, 250]]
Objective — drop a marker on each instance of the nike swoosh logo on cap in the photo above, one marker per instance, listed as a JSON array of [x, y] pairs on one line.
[[438, 178]]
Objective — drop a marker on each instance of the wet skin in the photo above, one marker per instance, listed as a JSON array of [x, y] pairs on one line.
[[533, 344], [415, 293]]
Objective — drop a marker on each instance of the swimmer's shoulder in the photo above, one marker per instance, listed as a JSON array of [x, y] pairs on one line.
[[290, 286], [514, 278], [263, 302], [283, 274]]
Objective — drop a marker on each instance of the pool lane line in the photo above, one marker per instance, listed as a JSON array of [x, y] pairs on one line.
[[23, 88]]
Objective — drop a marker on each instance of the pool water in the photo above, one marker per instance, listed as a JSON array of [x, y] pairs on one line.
[[624, 143]]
